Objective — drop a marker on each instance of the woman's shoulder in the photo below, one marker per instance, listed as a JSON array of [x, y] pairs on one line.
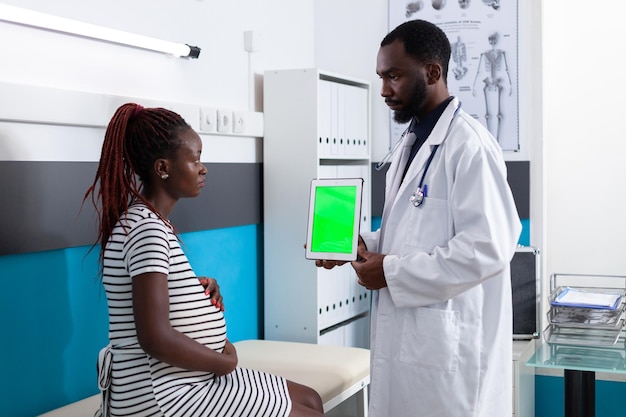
[[140, 214], [140, 210]]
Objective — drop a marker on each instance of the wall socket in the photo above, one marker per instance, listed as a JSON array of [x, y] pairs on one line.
[[224, 120], [217, 120], [239, 121], [208, 119]]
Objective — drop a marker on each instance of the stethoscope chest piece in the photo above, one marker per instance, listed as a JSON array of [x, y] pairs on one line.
[[417, 198]]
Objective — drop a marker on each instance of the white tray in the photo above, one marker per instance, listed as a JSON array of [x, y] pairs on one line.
[[593, 295]]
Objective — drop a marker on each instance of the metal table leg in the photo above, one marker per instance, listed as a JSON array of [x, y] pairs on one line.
[[580, 393]]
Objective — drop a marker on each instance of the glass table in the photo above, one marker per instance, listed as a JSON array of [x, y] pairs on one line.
[[580, 364]]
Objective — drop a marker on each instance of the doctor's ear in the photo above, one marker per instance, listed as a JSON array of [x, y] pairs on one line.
[[433, 73]]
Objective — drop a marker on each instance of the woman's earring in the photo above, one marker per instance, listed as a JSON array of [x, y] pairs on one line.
[[165, 176]]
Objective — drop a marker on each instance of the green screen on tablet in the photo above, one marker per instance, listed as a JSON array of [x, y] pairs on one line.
[[334, 218]]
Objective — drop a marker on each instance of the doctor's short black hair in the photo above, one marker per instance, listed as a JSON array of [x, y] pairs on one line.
[[424, 41]]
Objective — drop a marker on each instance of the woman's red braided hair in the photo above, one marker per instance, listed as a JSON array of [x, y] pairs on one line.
[[134, 139]]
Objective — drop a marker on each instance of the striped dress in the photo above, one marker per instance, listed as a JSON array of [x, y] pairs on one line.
[[144, 386]]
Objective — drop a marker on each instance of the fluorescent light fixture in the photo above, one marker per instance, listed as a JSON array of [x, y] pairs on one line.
[[73, 27]]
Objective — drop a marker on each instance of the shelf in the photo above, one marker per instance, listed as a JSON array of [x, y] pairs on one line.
[[309, 117], [581, 358]]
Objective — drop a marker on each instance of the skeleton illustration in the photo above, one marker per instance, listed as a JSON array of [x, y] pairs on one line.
[[493, 3], [413, 7], [438, 4], [464, 4], [459, 56], [495, 68]]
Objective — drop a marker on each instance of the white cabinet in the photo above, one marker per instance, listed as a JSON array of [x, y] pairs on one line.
[[316, 125], [523, 379]]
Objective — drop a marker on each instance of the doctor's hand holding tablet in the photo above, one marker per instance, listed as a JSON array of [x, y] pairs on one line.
[[333, 230]]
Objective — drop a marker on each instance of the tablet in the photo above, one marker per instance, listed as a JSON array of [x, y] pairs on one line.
[[334, 219]]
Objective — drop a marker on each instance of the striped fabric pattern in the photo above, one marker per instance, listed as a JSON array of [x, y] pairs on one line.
[[144, 386]]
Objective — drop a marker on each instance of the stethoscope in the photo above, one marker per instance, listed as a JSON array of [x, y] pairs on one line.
[[417, 198]]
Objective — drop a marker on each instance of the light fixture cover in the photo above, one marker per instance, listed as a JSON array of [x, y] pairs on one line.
[[39, 20]]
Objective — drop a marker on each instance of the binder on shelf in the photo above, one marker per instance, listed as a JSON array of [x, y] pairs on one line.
[[324, 110], [342, 114]]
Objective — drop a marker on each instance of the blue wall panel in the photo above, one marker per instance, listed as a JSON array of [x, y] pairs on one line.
[[233, 256], [549, 397], [54, 315]]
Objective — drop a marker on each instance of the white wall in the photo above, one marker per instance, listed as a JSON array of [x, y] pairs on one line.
[[220, 76], [584, 140], [225, 75]]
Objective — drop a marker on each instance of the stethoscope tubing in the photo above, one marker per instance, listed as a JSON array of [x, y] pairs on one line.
[[417, 198], [391, 152]]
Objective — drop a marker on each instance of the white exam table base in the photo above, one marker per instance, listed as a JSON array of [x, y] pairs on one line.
[[335, 372]]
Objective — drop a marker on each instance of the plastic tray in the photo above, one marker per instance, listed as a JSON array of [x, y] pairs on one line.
[[554, 295], [578, 336]]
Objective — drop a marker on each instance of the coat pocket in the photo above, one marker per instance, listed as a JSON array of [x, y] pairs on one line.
[[428, 224], [430, 338]]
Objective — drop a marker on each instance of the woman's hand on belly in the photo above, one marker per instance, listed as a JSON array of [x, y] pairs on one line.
[[212, 289]]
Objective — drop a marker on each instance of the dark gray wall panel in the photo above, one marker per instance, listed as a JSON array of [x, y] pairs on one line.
[[232, 197], [41, 201], [518, 175], [378, 190]]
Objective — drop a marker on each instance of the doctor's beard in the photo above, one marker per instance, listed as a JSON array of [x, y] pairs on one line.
[[412, 109]]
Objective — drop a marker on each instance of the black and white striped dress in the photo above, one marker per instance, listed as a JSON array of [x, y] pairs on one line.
[[144, 386]]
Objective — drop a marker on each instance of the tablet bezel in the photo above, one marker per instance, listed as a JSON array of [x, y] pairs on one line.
[[326, 182]]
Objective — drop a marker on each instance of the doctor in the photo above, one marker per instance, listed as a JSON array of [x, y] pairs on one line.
[[441, 337]]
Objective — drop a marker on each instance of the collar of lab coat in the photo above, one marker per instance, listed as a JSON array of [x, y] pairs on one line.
[[437, 137]]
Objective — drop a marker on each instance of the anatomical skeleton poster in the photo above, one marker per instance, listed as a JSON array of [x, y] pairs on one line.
[[483, 68]]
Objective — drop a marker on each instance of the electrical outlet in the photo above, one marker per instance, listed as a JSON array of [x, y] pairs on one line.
[[224, 120], [239, 121], [208, 119]]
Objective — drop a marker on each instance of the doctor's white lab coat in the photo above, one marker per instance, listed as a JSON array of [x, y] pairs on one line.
[[441, 341]]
